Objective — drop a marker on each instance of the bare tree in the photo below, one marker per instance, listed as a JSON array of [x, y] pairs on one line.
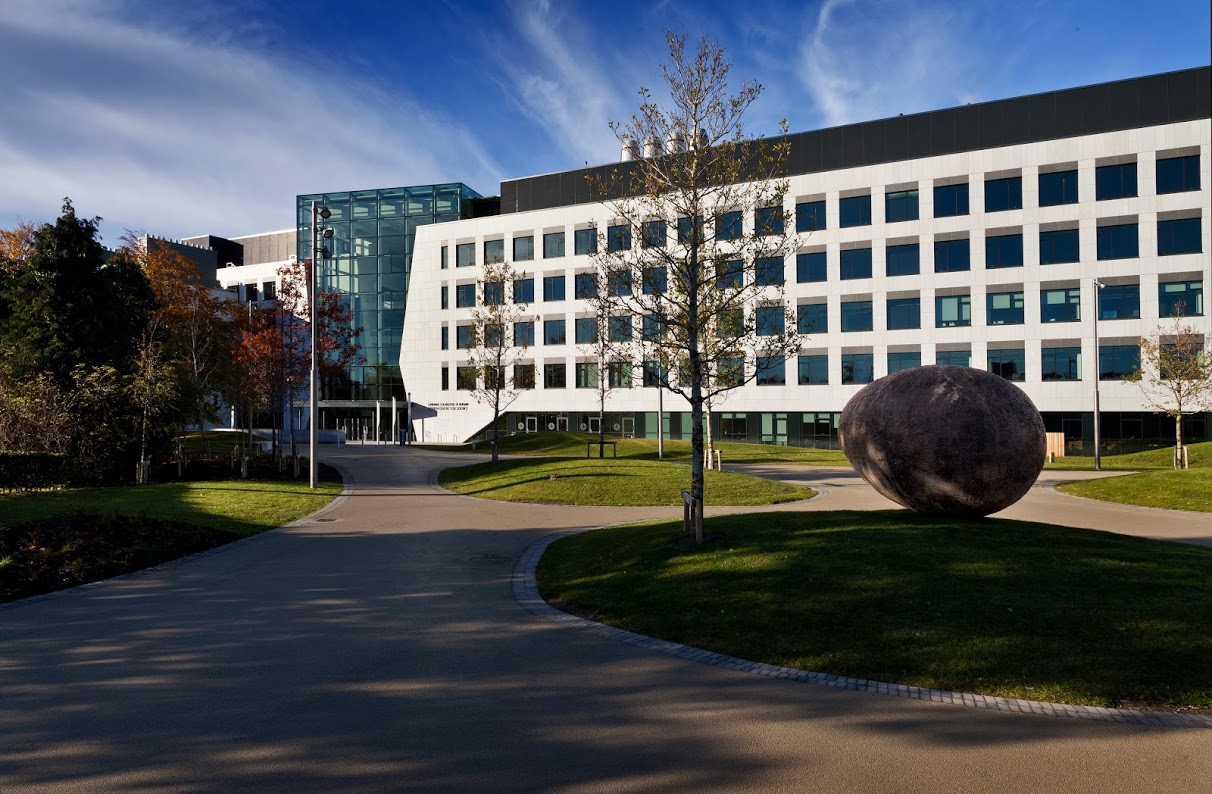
[[712, 290], [1175, 375], [492, 344], [611, 347]]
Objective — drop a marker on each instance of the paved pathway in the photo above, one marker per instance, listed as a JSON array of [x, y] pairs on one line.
[[384, 650]]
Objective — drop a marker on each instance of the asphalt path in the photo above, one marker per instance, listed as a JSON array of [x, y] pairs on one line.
[[378, 647]]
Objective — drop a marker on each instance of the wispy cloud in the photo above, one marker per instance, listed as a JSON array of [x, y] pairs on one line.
[[160, 131], [866, 59]]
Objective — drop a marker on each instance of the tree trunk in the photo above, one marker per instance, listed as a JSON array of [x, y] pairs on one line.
[[1178, 441], [710, 447]]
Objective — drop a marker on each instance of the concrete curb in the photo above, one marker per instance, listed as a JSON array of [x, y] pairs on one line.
[[526, 593]]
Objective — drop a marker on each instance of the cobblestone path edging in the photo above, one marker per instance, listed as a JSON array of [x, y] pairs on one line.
[[526, 593]]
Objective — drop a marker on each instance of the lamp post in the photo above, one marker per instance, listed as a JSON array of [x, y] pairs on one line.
[[1098, 450], [318, 213]]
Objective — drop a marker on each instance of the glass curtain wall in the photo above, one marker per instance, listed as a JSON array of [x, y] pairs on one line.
[[371, 260]]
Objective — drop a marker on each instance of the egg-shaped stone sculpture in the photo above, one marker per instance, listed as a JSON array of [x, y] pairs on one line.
[[946, 440]]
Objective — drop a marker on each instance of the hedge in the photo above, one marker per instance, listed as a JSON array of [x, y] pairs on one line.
[[27, 471]]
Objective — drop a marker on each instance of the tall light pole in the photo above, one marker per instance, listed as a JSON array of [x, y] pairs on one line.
[[318, 213], [1098, 449]]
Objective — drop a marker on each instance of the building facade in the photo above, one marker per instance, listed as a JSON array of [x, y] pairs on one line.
[[964, 236]]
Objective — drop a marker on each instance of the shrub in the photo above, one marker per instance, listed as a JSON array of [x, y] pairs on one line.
[[27, 471]]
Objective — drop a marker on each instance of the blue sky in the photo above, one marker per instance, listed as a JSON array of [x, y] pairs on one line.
[[209, 116]]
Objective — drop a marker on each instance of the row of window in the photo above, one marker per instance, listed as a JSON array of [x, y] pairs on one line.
[[1115, 302], [1056, 364]]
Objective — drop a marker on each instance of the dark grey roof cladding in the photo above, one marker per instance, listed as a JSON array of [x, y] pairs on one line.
[[1126, 104]]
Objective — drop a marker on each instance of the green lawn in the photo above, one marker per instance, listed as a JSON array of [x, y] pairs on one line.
[[609, 482], [572, 445], [1175, 490], [999, 607], [1198, 456]]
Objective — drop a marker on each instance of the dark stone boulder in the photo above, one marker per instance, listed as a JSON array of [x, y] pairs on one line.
[[948, 440]]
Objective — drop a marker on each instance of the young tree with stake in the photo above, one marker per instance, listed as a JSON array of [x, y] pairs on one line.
[[494, 347], [1175, 375]]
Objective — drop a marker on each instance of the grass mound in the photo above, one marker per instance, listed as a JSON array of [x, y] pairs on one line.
[[574, 481], [1173, 490], [1199, 456], [998, 607]]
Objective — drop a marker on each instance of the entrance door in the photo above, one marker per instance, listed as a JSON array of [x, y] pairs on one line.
[[562, 424], [595, 424], [532, 424], [628, 427]]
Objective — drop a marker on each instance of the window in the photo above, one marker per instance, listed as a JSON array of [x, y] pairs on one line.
[[652, 375], [1058, 187], [768, 220], [1118, 242], [856, 315], [1060, 305], [465, 296], [1114, 181], [952, 311], [1004, 250], [1180, 236], [1005, 308], [494, 336], [951, 200], [1058, 247], [586, 375], [858, 368], [584, 286], [728, 226], [856, 263], [1119, 302], [814, 370], [1009, 364], [953, 358], [445, 337], [771, 371], [685, 228], [855, 211], [904, 360], [523, 334], [1004, 194], [951, 256], [768, 271], [618, 375], [553, 332], [523, 376], [1061, 363], [653, 234], [445, 297], [463, 337], [812, 318], [494, 293], [585, 241], [653, 328], [523, 248], [810, 267], [1178, 174], [445, 378], [618, 283], [465, 254], [900, 206], [465, 378], [553, 245], [553, 288], [809, 216], [1180, 299], [1115, 362], [523, 290], [494, 251], [618, 238], [730, 322], [656, 280], [445, 257], [903, 260], [904, 313], [731, 371], [619, 328], [730, 274], [555, 376], [770, 320], [586, 330]]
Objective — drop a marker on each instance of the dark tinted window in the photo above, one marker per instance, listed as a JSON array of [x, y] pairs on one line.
[[900, 206], [1005, 308], [768, 220], [553, 288], [523, 334], [465, 296], [728, 226], [1004, 194], [1060, 305], [768, 271], [951, 200], [465, 254], [494, 251], [656, 280], [769, 320], [553, 245], [1009, 364], [1058, 247], [1179, 237], [1004, 250], [855, 211], [856, 316], [1178, 174], [771, 371], [904, 313], [1059, 187], [1117, 361], [653, 234], [952, 311], [585, 241], [523, 249], [1061, 363], [1119, 302], [1114, 181], [618, 238], [1180, 298], [953, 358], [554, 332], [813, 370], [812, 318], [523, 290], [858, 368], [903, 360], [584, 286], [856, 263], [951, 256], [1118, 242], [810, 267], [810, 216], [463, 337], [903, 260], [730, 274]]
